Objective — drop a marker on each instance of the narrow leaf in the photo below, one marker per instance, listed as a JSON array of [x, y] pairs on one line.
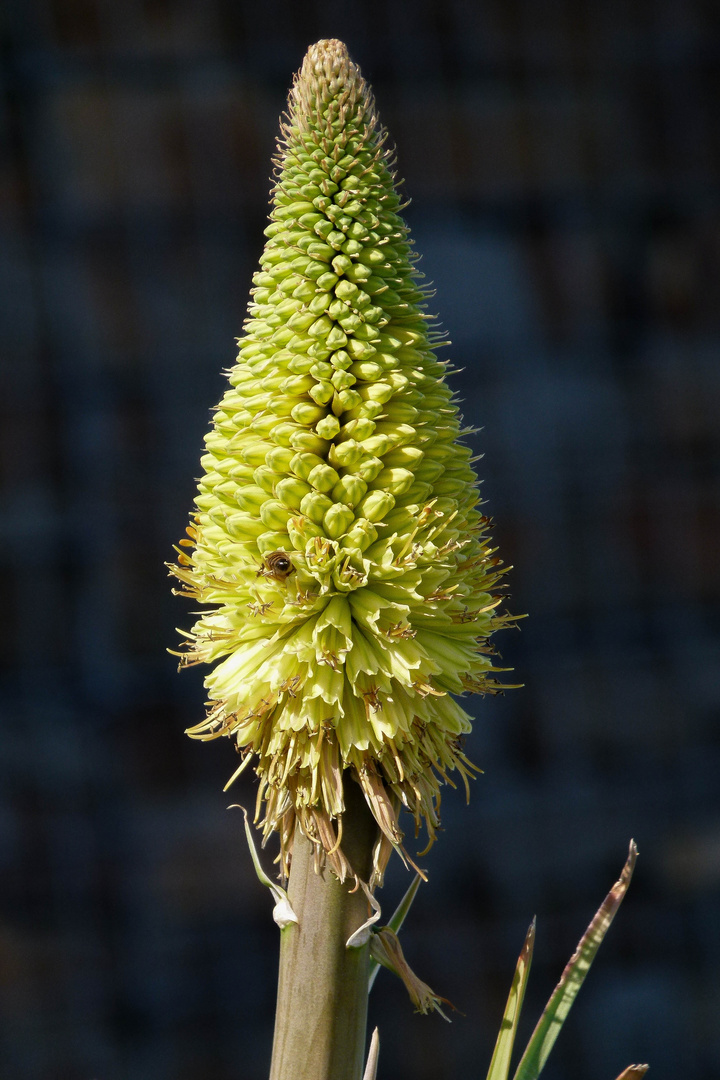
[[559, 1005], [633, 1072], [500, 1064], [396, 921], [283, 913], [373, 1054]]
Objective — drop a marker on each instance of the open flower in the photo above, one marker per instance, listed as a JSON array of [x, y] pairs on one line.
[[337, 538]]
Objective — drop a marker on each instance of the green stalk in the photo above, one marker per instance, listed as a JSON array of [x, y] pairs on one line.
[[321, 1016]]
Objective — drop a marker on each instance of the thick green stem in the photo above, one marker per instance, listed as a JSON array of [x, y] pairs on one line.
[[323, 986]]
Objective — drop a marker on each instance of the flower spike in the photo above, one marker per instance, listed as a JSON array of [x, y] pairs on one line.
[[337, 540]]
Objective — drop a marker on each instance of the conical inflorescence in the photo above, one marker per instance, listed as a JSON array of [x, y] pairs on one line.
[[337, 536]]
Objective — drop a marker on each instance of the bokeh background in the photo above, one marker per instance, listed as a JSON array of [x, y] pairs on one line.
[[564, 161]]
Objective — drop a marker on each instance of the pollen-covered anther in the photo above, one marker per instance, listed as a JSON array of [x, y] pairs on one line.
[[302, 598], [411, 557], [480, 685], [371, 696], [258, 608], [450, 546], [425, 689], [291, 686], [464, 616], [442, 594]]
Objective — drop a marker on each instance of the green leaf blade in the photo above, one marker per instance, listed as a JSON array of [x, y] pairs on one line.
[[560, 1003], [502, 1054]]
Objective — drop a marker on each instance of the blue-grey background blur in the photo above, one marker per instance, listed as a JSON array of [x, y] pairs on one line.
[[563, 158]]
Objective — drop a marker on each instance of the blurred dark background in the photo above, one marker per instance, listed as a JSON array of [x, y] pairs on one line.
[[564, 159]]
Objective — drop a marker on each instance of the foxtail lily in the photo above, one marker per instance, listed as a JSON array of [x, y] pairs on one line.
[[337, 540]]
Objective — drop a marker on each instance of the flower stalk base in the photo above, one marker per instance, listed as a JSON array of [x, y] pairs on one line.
[[321, 1016]]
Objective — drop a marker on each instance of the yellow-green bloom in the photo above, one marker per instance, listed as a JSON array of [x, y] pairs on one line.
[[337, 538]]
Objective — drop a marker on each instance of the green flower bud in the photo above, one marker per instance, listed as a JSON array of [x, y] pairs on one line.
[[342, 359], [328, 427], [359, 429], [304, 463], [315, 506], [265, 478], [337, 539], [279, 458], [291, 491], [282, 433], [256, 452], [349, 489], [345, 400], [375, 444], [322, 392], [308, 441], [321, 327], [376, 504], [368, 469], [272, 540], [394, 481], [323, 477], [346, 454], [367, 369], [307, 413], [250, 498], [274, 514], [429, 471], [408, 457], [243, 526], [338, 520], [343, 380]]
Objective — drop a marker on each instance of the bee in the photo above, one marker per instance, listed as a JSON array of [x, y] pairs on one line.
[[277, 565]]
